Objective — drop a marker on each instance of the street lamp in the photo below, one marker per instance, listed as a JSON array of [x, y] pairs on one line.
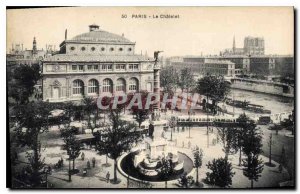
[[47, 171]]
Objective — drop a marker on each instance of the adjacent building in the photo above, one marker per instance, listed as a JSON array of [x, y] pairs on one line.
[[95, 63]]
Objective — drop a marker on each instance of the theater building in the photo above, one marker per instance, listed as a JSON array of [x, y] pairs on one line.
[[95, 63]]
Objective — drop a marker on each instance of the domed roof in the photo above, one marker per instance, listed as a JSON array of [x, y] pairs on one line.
[[100, 36]]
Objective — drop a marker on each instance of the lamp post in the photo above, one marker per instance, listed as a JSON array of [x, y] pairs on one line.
[[46, 171]]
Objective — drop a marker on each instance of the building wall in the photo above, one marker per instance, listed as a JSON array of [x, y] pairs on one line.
[[262, 65], [284, 66], [60, 76], [99, 49], [204, 66]]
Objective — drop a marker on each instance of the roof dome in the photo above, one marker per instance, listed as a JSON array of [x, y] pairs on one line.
[[96, 35]]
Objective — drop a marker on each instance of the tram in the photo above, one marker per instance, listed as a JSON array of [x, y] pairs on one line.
[[203, 120]]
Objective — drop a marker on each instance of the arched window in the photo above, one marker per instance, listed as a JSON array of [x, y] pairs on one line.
[[93, 86], [121, 85], [107, 85], [133, 84], [78, 87]]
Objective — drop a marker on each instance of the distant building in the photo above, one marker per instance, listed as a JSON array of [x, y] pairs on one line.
[[203, 66], [252, 46], [94, 63], [17, 55], [267, 65]]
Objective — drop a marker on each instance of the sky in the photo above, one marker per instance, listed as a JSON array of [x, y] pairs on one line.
[[206, 30]]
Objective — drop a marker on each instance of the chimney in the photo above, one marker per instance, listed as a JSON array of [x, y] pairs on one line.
[[66, 34]]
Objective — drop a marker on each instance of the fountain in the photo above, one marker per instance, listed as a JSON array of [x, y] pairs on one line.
[[144, 162]]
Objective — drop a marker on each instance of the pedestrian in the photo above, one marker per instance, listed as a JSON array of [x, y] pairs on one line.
[[49, 169], [82, 156], [88, 165], [62, 162], [107, 177], [94, 162], [280, 168]]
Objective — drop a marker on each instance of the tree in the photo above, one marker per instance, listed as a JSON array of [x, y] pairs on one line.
[[34, 169], [198, 155], [270, 143], [253, 167], [214, 88], [169, 79], [228, 137], [72, 146], [166, 170], [252, 147], [117, 138], [244, 124], [141, 114], [252, 142], [172, 125], [186, 80], [32, 121], [185, 181], [221, 173], [89, 107], [24, 78]]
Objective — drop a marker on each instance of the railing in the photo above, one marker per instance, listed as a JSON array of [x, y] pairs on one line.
[[137, 183]]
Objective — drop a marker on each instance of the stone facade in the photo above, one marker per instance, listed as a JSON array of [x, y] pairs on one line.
[[93, 64]]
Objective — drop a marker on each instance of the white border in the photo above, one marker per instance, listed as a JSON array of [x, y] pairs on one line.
[[4, 3]]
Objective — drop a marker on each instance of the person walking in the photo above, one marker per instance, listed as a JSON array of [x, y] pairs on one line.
[[88, 165], [82, 156], [94, 162], [107, 177]]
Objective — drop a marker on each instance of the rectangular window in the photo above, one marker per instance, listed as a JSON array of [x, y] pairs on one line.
[[133, 67], [90, 67], [120, 67], [107, 67], [74, 67], [95, 67], [80, 67]]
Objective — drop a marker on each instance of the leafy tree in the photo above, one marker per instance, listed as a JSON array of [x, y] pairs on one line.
[[117, 138], [252, 142], [198, 155], [32, 121], [24, 78], [71, 145], [185, 181], [214, 88], [186, 80], [32, 176], [166, 170], [89, 107], [169, 79], [252, 147], [244, 124], [228, 137], [253, 167], [140, 114], [221, 173]]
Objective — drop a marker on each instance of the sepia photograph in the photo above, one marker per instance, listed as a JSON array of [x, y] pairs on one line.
[[150, 97]]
